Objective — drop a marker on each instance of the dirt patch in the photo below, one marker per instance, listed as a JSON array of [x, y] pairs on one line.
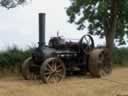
[[114, 85]]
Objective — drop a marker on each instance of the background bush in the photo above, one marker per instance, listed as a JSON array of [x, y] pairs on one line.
[[12, 58], [120, 57]]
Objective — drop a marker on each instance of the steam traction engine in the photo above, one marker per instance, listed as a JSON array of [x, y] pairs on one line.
[[51, 63]]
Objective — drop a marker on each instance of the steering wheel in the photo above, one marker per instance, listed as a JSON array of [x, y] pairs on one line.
[[86, 42]]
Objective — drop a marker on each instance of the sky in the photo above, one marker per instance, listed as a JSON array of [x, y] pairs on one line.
[[19, 26]]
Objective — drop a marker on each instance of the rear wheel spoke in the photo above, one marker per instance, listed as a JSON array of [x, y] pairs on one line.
[[59, 74], [53, 70], [48, 73], [48, 77], [50, 67], [59, 66], [60, 70]]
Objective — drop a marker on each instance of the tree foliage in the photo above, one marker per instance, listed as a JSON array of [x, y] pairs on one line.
[[11, 3], [99, 14]]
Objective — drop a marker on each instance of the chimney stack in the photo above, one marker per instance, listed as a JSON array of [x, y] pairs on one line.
[[41, 30]]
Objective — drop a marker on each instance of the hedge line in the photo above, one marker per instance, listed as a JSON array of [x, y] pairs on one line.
[[120, 56], [13, 57]]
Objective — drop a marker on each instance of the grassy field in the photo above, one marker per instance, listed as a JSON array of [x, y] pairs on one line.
[[114, 85], [11, 84]]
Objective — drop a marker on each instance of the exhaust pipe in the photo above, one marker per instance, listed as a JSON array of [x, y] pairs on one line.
[[41, 30]]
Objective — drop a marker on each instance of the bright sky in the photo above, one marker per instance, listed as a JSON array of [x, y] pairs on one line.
[[19, 26]]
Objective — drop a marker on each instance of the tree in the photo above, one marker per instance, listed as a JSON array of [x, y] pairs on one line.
[[107, 18], [11, 3]]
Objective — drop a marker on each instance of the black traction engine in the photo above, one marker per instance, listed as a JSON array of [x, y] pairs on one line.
[[51, 63]]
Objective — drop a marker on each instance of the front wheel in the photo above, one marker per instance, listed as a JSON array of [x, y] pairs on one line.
[[52, 70], [99, 62]]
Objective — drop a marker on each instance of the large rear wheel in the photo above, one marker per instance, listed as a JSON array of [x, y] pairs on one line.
[[52, 70], [99, 63]]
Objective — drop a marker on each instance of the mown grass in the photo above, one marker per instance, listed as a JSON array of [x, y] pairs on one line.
[[12, 58]]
